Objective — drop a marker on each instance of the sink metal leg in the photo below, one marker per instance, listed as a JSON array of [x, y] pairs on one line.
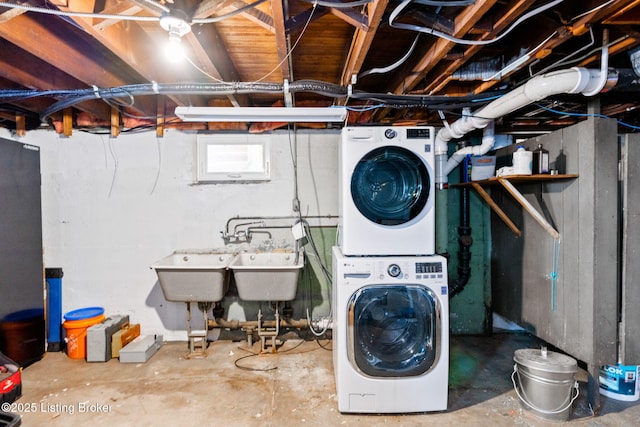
[[198, 337], [271, 333]]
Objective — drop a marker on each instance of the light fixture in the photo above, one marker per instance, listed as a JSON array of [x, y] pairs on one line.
[[177, 26], [262, 114]]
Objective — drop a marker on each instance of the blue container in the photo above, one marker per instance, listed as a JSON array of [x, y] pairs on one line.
[[84, 313], [54, 309]]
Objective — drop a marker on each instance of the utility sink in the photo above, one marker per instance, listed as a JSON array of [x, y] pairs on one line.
[[194, 276], [267, 276]]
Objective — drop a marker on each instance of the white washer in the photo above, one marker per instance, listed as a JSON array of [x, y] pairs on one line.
[[390, 333], [387, 191]]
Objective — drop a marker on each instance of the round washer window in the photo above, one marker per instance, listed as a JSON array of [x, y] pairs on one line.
[[390, 185], [395, 330]]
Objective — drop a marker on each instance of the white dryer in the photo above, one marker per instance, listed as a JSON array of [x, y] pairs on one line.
[[390, 333], [387, 191]]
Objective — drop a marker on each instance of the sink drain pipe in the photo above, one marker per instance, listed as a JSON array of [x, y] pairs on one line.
[[253, 324]]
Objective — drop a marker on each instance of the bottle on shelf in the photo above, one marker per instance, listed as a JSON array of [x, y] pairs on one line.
[[540, 161]]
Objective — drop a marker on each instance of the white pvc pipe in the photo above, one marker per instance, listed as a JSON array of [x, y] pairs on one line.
[[573, 80], [488, 139], [604, 64]]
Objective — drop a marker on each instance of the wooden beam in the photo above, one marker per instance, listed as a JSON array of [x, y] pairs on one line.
[[124, 8], [352, 17], [12, 13], [464, 22], [361, 42], [160, 117], [494, 206], [282, 44], [21, 125], [17, 66], [67, 122], [529, 208], [115, 123], [299, 21], [564, 34], [507, 18], [36, 34]]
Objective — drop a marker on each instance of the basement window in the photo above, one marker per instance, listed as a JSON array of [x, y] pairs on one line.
[[233, 157]]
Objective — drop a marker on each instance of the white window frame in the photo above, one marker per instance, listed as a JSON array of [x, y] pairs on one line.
[[248, 157]]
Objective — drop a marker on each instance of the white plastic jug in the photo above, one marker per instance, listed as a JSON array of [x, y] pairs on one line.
[[522, 161]]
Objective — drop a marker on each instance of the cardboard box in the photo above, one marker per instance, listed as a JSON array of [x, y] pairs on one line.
[[99, 337], [141, 349], [123, 337]]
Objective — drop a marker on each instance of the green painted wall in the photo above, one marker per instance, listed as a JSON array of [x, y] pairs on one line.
[[470, 310]]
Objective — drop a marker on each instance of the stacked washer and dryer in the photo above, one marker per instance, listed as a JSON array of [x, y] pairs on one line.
[[390, 293]]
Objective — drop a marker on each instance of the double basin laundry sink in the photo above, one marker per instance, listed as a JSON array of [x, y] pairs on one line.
[[203, 276]]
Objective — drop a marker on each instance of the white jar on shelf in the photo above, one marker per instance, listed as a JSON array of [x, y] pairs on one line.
[[522, 161]]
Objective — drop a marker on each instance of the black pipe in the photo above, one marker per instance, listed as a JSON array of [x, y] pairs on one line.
[[464, 241]]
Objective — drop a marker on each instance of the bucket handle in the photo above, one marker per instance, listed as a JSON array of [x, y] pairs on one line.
[[576, 386]]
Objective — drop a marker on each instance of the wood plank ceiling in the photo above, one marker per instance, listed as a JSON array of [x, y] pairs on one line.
[[100, 65]]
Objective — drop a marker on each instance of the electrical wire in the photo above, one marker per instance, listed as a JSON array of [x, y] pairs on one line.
[[563, 61], [576, 114], [155, 181], [394, 65], [290, 52], [114, 155], [595, 9], [164, 9], [252, 354], [71, 14], [339, 5], [227, 15], [427, 30]]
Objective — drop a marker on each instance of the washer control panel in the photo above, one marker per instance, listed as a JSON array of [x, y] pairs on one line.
[[394, 270]]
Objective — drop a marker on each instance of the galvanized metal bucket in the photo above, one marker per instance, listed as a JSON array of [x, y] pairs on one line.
[[545, 382]]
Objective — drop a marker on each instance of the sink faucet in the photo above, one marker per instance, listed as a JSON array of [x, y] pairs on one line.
[[239, 236]]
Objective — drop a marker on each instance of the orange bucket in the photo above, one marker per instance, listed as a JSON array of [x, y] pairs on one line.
[[76, 335]]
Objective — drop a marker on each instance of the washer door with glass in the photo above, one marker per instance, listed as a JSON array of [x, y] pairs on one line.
[[394, 330], [390, 185]]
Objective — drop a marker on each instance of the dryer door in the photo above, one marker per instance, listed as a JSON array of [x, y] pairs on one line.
[[394, 330], [390, 185]]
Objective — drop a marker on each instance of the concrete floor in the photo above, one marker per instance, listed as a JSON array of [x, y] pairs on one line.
[[294, 387]]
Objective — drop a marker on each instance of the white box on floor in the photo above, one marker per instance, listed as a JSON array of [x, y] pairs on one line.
[[141, 349]]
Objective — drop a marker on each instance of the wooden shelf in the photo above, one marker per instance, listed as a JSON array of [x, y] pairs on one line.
[[507, 182], [517, 179]]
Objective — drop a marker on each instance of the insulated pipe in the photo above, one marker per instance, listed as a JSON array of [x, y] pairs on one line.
[[573, 80]]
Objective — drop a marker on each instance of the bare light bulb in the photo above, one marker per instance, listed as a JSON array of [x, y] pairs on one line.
[[177, 26], [174, 50]]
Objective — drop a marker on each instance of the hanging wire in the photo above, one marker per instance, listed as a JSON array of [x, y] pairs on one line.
[[434, 32], [288, 55], [395, 64]]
